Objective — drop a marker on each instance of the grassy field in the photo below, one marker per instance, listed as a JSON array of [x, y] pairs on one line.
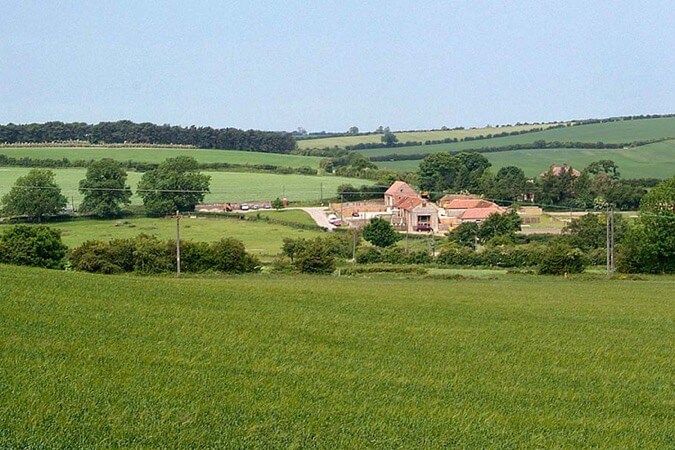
[[420, 136], [261, 238], [611, 132], [225, 186], [157, 155], [264, 361], [653, 160]]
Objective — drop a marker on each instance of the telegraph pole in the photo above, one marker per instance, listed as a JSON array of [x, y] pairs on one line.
[[177, 243], [610, 239]]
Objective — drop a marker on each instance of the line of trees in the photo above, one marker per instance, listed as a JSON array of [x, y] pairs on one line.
[[176, 184], [126, 131]]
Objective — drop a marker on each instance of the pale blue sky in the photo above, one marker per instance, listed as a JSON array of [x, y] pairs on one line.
[[328, 65]]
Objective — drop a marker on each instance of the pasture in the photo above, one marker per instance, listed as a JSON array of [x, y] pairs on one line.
[[420, 136], [157, 155], [610, 132], [263, 361], [225, 186], [653, 161], [260, 238]]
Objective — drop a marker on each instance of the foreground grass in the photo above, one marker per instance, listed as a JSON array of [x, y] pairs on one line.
[[225, 186], [654, 160], [264, 361], [157, 155]]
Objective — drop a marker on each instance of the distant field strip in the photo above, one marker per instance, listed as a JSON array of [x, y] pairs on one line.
[[157, 155], [225, 186], [262, 361], [610, 132], [653, 160], [420, 136]]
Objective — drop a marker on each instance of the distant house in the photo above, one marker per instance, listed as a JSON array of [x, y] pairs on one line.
[[559, 170], [409, 210]]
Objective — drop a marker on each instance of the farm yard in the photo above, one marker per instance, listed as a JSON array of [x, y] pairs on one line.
[[272, 361]]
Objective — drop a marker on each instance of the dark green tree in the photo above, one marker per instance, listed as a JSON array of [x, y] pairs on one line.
[[505, 224], [465, 235], [175, 185], [560, 259], [649, 245], [104, 189], [380, 232], [389, 139], [437, 172], [314, 258], [35, 195], [37, 246], [511, 183]]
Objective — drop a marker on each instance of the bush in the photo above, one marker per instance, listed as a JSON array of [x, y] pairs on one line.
[[37, 246], [229, 255], [368, 255], [560, 259], [151, 255], [419, 257], [95, 257], [315, 259]]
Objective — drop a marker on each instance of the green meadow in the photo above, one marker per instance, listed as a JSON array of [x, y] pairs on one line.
[[264, 361], [157, 155], [609, 132], [261, 238], [654, 160], [225, 186], [420, 136]]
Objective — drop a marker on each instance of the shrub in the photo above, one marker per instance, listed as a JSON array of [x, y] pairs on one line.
[[150, 255], [394, 255], [37, 246], [380, 232], [561, 259], [315, 259], [229, 255], [94, 256], [419, 257], [368, 255]]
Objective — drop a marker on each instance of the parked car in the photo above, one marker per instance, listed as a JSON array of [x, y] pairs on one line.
[[256, 207], [423, 227], [332, 218], [244, 207]]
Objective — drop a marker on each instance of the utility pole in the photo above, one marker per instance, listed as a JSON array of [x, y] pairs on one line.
[[610, 239], [321, 190], [177, 243]]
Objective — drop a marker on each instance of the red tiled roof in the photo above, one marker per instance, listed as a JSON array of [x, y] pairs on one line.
[[469, 203], [401, 188], [408, 202], [480, 213]]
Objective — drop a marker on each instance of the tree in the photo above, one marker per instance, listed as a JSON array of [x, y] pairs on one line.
[[105, 189], [589, 231], [511, 183], [649, 246], [389, 139], [277, 204], [313, 258], [380, 232], [34, 195], [176, 184], [354, 130], [466, 234], [505, 224], [437, 172], [471, 168], [37, 246]]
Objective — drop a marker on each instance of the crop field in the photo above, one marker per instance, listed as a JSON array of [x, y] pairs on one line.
[[225, 186], [260, 238], [610, 132], [263, 361], [420, 136], [157, 155], [654, 160]]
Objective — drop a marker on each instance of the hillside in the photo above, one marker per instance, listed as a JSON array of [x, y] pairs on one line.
[[650, 161], [157, 155], [421, 136], [265, 361]]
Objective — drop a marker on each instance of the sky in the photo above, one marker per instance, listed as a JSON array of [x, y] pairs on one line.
[[330, 65]]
